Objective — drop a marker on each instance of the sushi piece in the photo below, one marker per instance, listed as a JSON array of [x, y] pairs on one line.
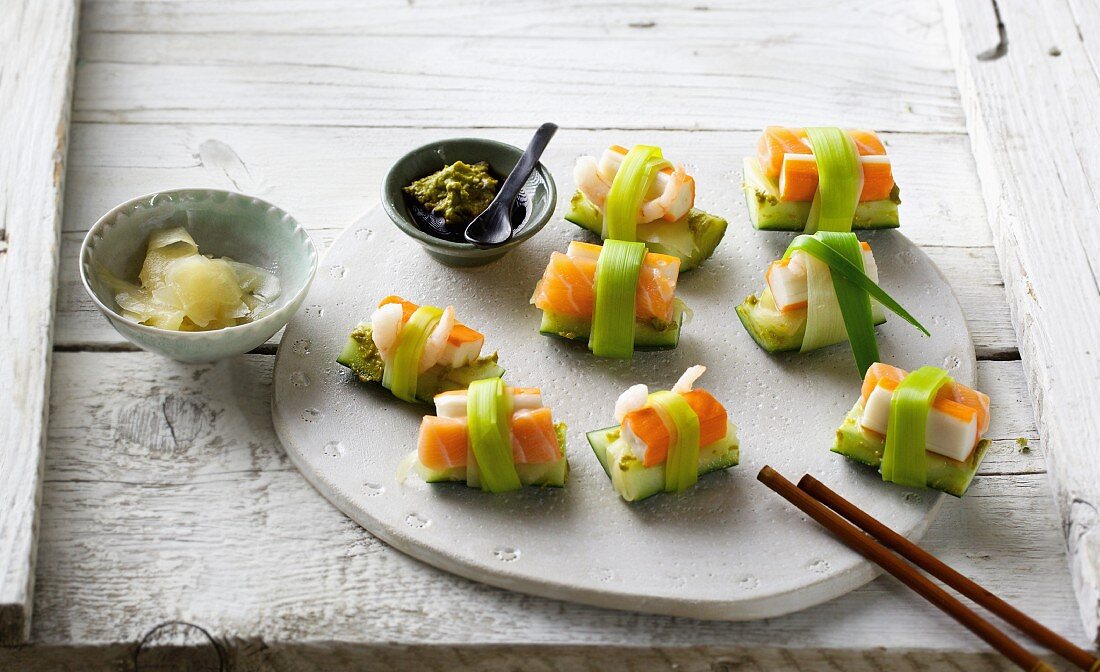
[[938, 440], [664, 217], [665, 440], [645, 313], [823, 291], [417, 352], [492, 437], [782, 180]]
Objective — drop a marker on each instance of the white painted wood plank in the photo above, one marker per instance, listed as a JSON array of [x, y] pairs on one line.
[[1034, 123], [590, 65], [169, 498], [110, 163], [36, 65]]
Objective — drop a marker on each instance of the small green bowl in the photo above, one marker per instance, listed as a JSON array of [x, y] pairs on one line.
[[542, 195], [223, 223]]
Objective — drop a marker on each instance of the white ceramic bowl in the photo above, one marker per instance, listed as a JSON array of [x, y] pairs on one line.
[[223, 223]]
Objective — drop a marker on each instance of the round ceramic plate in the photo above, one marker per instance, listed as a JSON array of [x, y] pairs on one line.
[[728, 548]]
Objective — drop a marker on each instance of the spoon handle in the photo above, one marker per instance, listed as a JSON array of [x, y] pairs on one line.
[[518, 177]]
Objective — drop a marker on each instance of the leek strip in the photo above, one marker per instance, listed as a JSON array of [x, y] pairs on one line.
[[401, 374], [632, 183], [904, 461], [616, 285], [839, 180], [824, 319], [838, 264], [855, 304], [682, 464], [488, 413]]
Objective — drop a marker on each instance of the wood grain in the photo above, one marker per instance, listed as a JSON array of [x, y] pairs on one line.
[[169, 497], [1038, 171], [36, 63], [684, 65]]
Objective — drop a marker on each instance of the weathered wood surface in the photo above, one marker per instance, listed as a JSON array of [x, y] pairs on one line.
[[1034, 124], [36, 64], [168, 495]]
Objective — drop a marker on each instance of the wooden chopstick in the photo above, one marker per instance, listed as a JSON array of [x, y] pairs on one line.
[[863, 544], [937, 568]]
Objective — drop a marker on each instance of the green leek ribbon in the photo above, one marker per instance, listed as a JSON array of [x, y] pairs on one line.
[[841, 253], [617, 271], [632, 182], [682, 464], [488, 414], [839, 180], [904, 461], [401, 374]]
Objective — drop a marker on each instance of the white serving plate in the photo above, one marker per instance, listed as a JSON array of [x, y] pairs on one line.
[[727, 549]]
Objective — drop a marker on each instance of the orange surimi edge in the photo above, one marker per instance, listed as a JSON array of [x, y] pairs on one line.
[[785, 153], [459, 334], [647, 424], [955, 400], [444, 443], [568, 283]]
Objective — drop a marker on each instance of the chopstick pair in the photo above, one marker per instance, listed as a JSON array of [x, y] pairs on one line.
[[878, 543]]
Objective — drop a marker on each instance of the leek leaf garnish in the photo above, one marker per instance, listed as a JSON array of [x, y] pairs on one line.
[[488, 413], [837, 263], [839, 180], [855, 304], [682, 464], [616, 285], [401, 374], [632, 182], [904, 461]]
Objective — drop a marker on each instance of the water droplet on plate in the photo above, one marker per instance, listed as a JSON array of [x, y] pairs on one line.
[[913, 497], [299, 379], [312, 415], [301, 346], [337, 272], [335, 449], [506, 553], [373, 489], [315, 311], [416, 520], [819, 566]]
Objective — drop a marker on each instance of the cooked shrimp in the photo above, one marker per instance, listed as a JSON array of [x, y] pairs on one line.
[[677, 197], [683, 386], [634, 398], [594, 188], [437, 341], [385, 328]]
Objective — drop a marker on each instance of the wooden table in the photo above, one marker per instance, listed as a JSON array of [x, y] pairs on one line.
[[165, 493]]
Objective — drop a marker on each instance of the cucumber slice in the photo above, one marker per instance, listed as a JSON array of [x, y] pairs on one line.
[[692, 238], [943, 473], [360, 354], [647, 335], [634, 481], [782, 332], [768, 213], [548, 474]]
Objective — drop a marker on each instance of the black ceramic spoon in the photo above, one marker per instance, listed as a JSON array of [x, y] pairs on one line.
[[494, 225]]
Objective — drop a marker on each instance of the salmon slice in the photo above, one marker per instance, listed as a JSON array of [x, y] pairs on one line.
[[647, 425], [460, 334], [568, 284], [443, 442], [798, 178], [534, 440], [956, 399]]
